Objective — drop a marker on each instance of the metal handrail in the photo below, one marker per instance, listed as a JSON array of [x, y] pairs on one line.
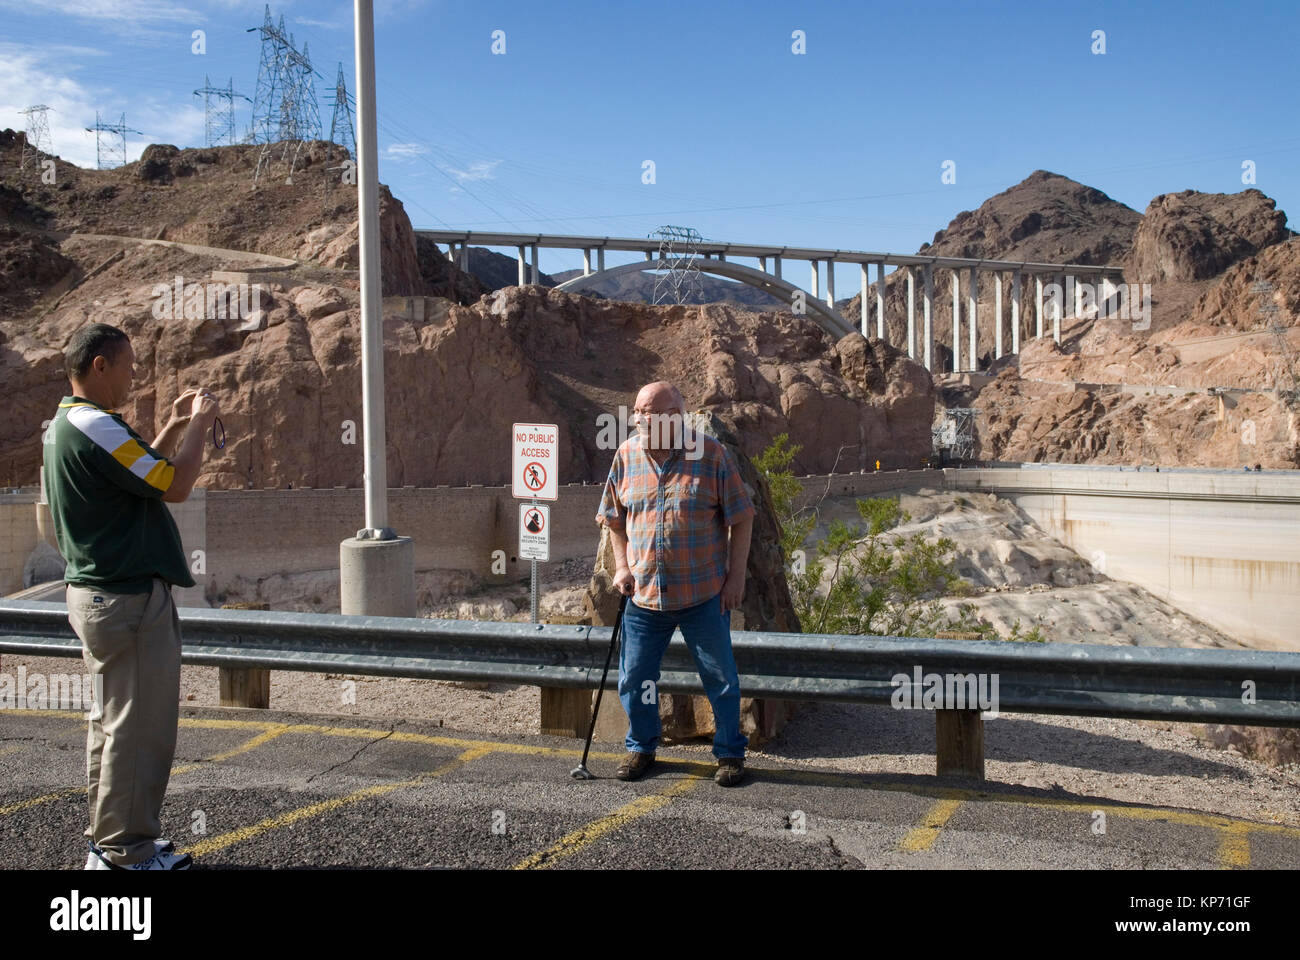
[[1253, 687]]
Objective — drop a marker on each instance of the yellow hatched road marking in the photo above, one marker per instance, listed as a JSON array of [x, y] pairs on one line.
[[571, 843], [923, 837], [275, 730], [1234, 834], [242, 834]]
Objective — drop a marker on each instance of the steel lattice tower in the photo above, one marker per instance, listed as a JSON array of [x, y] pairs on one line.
[[110, 142], [218, 113], [284, 103], [679, 279], [342, 126], [38, 135]]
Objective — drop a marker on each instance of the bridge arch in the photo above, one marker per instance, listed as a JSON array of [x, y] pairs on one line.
[[828, 319]]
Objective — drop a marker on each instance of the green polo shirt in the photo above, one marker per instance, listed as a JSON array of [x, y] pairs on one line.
[[104, 485]]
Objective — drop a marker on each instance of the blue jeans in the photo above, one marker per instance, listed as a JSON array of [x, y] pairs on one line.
[[707, 632]]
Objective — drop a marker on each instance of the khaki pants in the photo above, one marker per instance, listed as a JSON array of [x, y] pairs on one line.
[[132, 641]]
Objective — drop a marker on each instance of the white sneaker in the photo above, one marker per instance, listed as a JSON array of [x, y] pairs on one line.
[[95, 860]]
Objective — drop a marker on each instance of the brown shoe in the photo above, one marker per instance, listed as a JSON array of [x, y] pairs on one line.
[[731, 770], [635, 765]]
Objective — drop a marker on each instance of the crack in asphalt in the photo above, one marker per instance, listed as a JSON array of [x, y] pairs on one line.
[[364, 747]]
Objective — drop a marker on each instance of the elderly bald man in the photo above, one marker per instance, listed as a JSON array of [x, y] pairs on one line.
[[680, 520]]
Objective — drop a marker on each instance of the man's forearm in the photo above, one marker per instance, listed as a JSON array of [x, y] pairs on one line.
[[170, 434], [738, 556], [188, 461], [619, 539]]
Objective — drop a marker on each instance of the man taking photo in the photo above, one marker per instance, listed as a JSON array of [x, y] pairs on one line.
[[105, 488]]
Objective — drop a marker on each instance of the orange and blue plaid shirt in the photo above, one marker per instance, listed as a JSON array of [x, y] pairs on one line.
[[675, 517]]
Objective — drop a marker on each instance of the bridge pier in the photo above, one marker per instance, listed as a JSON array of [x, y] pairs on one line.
[[536, 274], [927, 309], [997, 316], [1058, 304], [523, 268], [813, 287], [586, 261], [956, 320], [911, 314], [862, 297], [1015, 312], [972, 316], [1038, 306], [880, 300], [600, 259], [776, 263], [830, 284]]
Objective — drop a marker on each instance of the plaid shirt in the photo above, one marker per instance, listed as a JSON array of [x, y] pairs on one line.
[[675, 517]]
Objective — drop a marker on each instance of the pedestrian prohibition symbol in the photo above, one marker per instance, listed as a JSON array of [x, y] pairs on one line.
[[535, 452]]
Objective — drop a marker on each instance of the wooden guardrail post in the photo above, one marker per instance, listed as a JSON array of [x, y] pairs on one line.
[[245, 686], [959, 736], [566, 712]]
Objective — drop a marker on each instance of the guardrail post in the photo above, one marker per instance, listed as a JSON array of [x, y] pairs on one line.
[[245, 686], [959, 739], [566, 712]]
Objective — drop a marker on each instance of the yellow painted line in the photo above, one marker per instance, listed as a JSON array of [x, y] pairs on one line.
[[571, 843], [243, 834], [265, 736], [1234, 848], [35, 801], [923, 837]]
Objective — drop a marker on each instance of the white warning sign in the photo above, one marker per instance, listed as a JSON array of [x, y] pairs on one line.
[[535, 461], [534, 531]]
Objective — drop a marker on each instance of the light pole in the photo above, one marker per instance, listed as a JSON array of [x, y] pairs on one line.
[[376, 567]]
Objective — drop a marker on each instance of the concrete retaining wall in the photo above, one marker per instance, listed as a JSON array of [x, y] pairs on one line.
[[1224, 547]]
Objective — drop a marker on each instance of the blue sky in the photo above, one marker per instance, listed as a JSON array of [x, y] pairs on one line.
[[842, 146]]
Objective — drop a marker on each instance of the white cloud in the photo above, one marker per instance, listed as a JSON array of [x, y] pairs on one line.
[[118, 11], [323, 24], [404, 151], [478, 170], [40, 75]]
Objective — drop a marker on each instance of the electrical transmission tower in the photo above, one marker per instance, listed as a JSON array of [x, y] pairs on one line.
[[284, 103], [110, 142], [38, 136], [954, 437], [680, 279], [219, 113], [342, 127], [1285, 378]]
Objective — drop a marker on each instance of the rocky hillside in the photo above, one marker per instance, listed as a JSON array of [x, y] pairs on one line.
[[457, 373]]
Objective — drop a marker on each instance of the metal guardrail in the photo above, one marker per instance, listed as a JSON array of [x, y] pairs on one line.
[[1062, 678]]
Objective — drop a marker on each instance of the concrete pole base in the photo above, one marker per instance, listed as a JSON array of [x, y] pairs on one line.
[[377, 577]]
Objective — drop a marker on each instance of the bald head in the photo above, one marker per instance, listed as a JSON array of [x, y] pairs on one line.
[[660, 397]]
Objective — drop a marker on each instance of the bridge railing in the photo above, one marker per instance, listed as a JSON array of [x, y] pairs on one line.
[[959, 679]]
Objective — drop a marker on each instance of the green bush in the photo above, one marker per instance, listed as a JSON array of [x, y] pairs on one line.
[[880, 583]]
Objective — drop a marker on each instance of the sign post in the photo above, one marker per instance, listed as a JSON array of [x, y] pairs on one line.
[[535, 453]]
